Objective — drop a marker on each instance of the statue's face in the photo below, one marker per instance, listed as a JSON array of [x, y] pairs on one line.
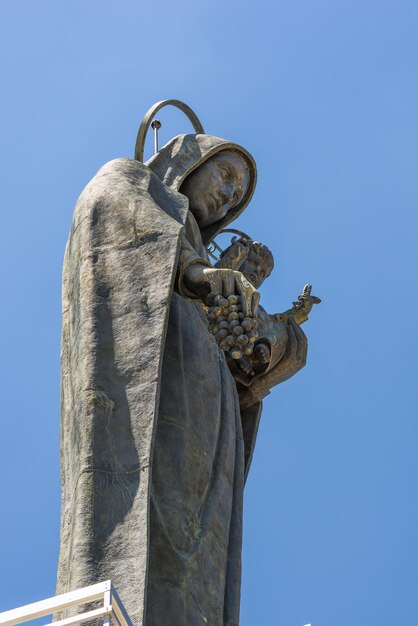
[[216, 187], [256, 268]]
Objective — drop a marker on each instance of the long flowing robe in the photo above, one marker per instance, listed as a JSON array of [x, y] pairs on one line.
[[153, 443]]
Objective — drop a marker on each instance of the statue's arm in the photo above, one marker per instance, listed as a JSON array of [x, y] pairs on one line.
[[198, 279], [300, 309], [293, 360], [188, 257], [268, 349]]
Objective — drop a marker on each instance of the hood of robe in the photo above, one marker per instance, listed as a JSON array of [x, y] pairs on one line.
[[184, 153]]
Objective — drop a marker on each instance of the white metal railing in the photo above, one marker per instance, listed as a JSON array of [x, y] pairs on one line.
[[112, 609]]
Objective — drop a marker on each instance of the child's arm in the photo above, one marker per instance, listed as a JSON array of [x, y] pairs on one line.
[[300, 309], [235, 256]]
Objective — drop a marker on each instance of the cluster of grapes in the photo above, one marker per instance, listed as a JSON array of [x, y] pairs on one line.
[[234, 333]]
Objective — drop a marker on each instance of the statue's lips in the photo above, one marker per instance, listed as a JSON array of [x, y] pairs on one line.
[[206, 208], [217, 203], [214, 202]]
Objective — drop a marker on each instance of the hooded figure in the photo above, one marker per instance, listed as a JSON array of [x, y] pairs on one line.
[[152, 445]]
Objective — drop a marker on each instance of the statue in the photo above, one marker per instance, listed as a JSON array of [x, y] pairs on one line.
[[255, 261], [158, 426]]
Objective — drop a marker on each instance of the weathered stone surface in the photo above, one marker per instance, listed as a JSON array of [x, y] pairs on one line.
[[118, 273], [154, 442]]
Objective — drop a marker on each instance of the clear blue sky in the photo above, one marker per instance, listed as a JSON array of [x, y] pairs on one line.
[[324, 94]]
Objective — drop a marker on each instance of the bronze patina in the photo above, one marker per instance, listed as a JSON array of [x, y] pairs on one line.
[[158, 420]]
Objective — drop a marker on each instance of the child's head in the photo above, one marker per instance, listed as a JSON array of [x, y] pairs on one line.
[[258, 265]]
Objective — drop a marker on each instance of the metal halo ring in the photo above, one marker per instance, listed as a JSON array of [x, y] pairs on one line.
[[149, 115], [236, 232], [212, 247]]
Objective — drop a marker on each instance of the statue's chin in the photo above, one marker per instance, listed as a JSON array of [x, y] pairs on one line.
[[209, 213], [201, 216]]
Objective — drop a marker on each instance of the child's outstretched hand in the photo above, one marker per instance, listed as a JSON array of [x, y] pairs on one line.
[[305, 300], [300, 309]]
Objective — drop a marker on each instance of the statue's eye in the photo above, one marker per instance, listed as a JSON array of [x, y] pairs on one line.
[[224, 172]]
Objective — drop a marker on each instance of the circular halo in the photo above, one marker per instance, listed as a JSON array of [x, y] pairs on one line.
[[215, 250], [149, 115]]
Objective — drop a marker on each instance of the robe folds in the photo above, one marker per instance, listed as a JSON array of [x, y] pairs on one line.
[[154, 446]]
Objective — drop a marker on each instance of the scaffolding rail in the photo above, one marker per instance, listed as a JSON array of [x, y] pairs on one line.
[[112, 611]]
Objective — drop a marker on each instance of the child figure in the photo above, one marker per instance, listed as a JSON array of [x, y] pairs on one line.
[[256, 262]]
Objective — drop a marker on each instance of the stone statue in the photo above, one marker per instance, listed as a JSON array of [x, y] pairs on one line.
[[157, 427]]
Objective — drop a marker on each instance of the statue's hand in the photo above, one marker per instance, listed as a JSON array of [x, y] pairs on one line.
[[262, 352], [205, 282], [245, 365], [306, 300]]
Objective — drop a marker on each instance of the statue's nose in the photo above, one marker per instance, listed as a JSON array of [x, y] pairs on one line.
[[227, 191]]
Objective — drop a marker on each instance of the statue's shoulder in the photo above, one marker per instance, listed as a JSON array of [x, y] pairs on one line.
[[121, 170], [123, 182], [120, 178], [123, 165]]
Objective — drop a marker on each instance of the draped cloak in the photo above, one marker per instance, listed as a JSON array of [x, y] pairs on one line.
[[154, 446]]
